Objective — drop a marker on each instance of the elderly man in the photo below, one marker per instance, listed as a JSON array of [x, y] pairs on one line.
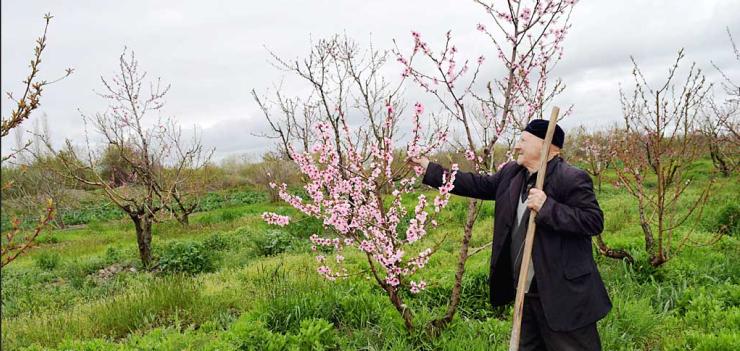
[[565, 294]]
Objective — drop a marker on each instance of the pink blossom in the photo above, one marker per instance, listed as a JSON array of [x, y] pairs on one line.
[[276, 219], [417, 287], [470, 155]]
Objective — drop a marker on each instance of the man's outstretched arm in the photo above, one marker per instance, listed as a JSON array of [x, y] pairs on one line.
[[466, 183]]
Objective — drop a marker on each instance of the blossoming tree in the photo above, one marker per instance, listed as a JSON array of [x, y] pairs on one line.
[[348, 198], [355, 170]]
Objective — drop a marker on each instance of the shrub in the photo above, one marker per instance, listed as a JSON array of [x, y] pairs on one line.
[[725, 219], [186, 257], [246, 197], [216, 242], [112, 255], [47, 260], [316, 334], [305, 227], [210, 201], [271, 242], [249, 333], [47, 239]]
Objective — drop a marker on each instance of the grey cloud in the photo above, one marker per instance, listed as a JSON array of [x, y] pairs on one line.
[[213, 54]]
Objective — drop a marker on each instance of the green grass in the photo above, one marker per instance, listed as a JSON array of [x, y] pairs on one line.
[[254, 298]]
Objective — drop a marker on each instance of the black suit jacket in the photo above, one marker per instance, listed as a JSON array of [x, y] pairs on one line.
[[569, 285]]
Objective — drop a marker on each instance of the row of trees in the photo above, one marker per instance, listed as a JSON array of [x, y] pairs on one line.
[[666, 129], [342, 139], [650, 152]]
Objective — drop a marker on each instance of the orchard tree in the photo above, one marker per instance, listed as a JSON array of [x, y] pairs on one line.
[[348, 197], [346, 153], [149, 145], [15, 241], [721, 121], [272, 169], [593, 151], [655, 151], [527, 38]]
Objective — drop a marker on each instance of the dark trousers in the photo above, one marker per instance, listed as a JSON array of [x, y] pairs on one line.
[[537, 335]]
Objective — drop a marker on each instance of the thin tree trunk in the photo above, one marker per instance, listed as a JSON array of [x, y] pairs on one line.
[[612, 253], [649, 241], [441, 323], [717, 160], [403, 309]]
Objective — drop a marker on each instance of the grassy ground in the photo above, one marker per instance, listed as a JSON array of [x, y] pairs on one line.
[[261, 290]]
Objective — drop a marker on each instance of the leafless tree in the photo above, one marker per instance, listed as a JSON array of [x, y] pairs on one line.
[[592, 150], [720, 123], [655, 150], [272, 169], [160, 159]]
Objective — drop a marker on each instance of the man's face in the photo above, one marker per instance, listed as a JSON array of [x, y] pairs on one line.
[[528, 149]]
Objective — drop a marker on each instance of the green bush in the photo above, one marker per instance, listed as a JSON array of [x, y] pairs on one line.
[[189, 257], [112, 255], [316, 334], [91, 212], [47, 260], [272, 242], [246, 197], [210, 201], [725, 220], [47, 239], [216, 242], [249, 333], [305, 227]]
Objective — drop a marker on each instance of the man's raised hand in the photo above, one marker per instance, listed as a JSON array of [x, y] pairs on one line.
[[421, 161]]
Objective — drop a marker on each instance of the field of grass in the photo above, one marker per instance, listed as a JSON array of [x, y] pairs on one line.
[[248, 286]]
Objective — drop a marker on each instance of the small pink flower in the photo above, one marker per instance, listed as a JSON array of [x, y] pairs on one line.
[[418, 287], [276, 219], [470, 155]]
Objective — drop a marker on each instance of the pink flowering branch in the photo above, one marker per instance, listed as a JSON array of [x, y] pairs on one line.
[[344, 190]]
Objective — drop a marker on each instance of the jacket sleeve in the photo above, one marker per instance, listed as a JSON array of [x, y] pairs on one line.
[[579, 214], [466, 183]]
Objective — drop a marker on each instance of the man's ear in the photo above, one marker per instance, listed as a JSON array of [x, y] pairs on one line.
[[554, 149]]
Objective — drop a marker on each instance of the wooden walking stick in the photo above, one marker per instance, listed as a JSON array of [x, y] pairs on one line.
[[529, 239]]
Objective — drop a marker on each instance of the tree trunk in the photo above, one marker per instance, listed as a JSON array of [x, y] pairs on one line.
[[183, 218], [649, 241], [402, 308], [143, 224], [718, 160], [613, 253], [439, 324]]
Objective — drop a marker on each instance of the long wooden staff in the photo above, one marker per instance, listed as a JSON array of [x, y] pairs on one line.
[[529, 239]]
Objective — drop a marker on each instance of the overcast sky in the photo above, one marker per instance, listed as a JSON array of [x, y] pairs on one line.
[[213, 52]]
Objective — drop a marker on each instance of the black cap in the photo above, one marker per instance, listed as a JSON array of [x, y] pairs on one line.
[[538, 128]]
